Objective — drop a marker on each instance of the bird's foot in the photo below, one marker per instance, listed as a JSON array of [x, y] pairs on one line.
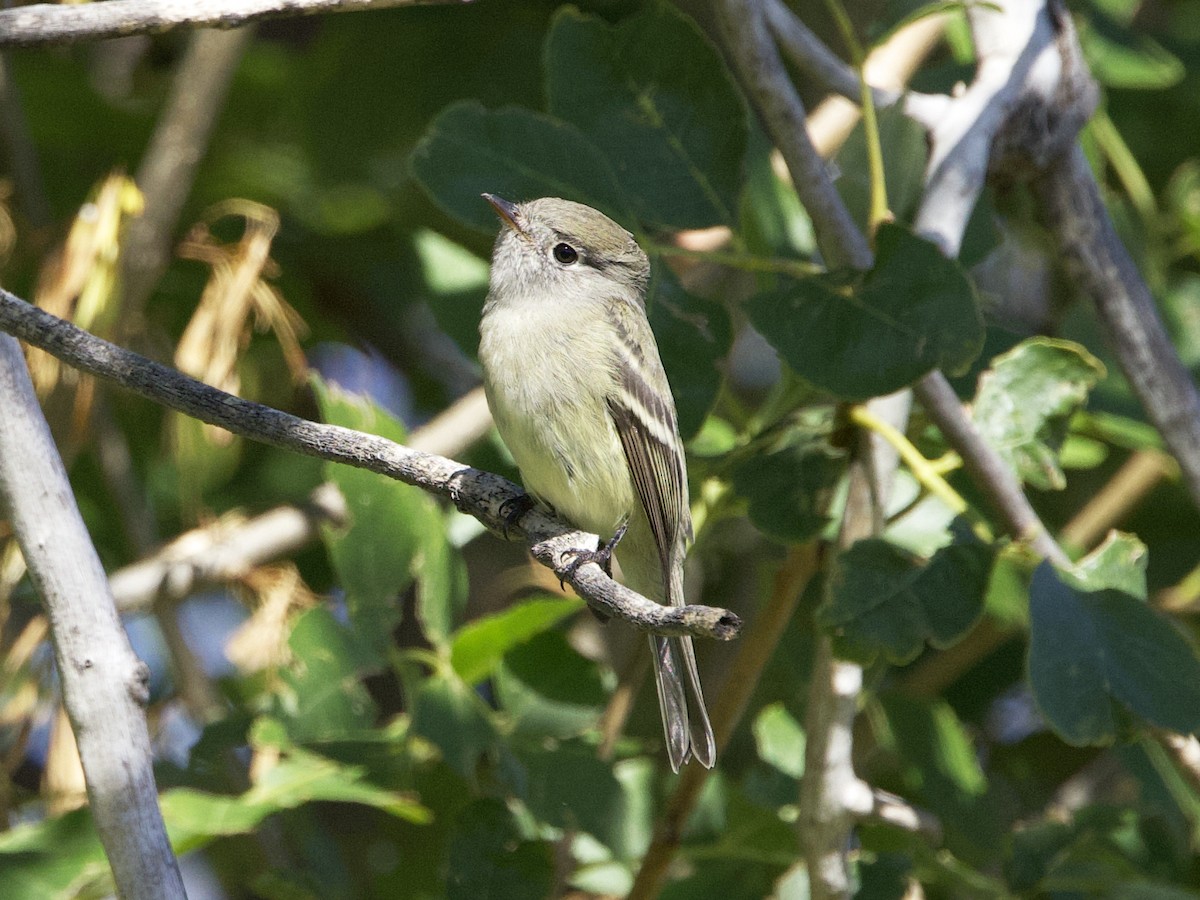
[[512, 509], [602, 556]]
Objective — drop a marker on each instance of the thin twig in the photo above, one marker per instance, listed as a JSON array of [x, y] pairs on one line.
[[104, 684], [173, 156], [48, 23], [986, 468], [478, 493]]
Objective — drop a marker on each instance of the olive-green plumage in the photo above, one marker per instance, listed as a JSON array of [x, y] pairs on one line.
[[578, 391]]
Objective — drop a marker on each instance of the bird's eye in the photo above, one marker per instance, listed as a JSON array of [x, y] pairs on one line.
[[565, 254]]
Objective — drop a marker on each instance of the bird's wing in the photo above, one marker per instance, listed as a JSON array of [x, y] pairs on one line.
[[643, 412]]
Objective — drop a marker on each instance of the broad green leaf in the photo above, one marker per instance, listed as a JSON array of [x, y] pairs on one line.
[[653, 94], [881, 600], [568, 787], [389, 521], [788, 488], [859, 335], [449, 715], [194, 818], [1092, 654], [325, 696], [780, 740], [516, 153], [53, 858], [692, 335], [1026, 399], [773, 221], [477, 648], [549, 689], [491, 858]]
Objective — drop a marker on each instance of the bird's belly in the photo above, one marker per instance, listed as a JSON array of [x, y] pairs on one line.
[[555, 422]]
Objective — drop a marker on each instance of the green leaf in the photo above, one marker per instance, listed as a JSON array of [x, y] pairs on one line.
[[516, 153], [568, 787], [1026, 399], [441, 582], [654, 96], [457, 281], [861, 335], [449, 715], [326, 697], [1119, 563], [1092, 654], [477, 648], [194, 818], [905, 153], [940, 767], [389, 522], [788, 488], [549, 689], [53, 858], [692, 335], [1121, 59], [489, 858], [780, 740], [881, 600]]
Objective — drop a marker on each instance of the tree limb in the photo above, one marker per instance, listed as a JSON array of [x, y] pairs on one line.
[[51, 23], [478, 493], [1100, 267], [104, 684]]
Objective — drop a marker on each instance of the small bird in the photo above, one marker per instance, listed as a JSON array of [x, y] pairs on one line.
[[578, 391]]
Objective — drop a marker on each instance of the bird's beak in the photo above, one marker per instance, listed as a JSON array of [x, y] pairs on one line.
[[507, 211]]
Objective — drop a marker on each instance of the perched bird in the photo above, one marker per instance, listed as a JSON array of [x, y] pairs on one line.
[[578, 391]]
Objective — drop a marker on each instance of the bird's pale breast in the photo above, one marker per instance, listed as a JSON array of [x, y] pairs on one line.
[[547, 397]]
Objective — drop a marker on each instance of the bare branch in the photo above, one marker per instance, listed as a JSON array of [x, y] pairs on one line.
[[478, 493], [49, 23], [169, 164], [1099, 265], [104, 684], [220, 553]]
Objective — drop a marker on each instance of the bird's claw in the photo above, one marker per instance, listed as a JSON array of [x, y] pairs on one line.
[[602, 556], [512, 509]]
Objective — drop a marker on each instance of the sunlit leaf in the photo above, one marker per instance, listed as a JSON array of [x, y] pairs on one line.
[[1026, 399], [477, 648]]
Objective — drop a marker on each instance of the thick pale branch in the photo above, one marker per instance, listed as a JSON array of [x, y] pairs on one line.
[[104, 684], [478, 493], [51, 23]]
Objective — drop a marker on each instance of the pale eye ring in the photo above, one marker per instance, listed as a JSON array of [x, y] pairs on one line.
[[565, 254]]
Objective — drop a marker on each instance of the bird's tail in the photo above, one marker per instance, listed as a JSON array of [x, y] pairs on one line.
[[686, 726]]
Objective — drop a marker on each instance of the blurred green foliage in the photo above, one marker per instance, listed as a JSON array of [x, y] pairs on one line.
[[428, 725]]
